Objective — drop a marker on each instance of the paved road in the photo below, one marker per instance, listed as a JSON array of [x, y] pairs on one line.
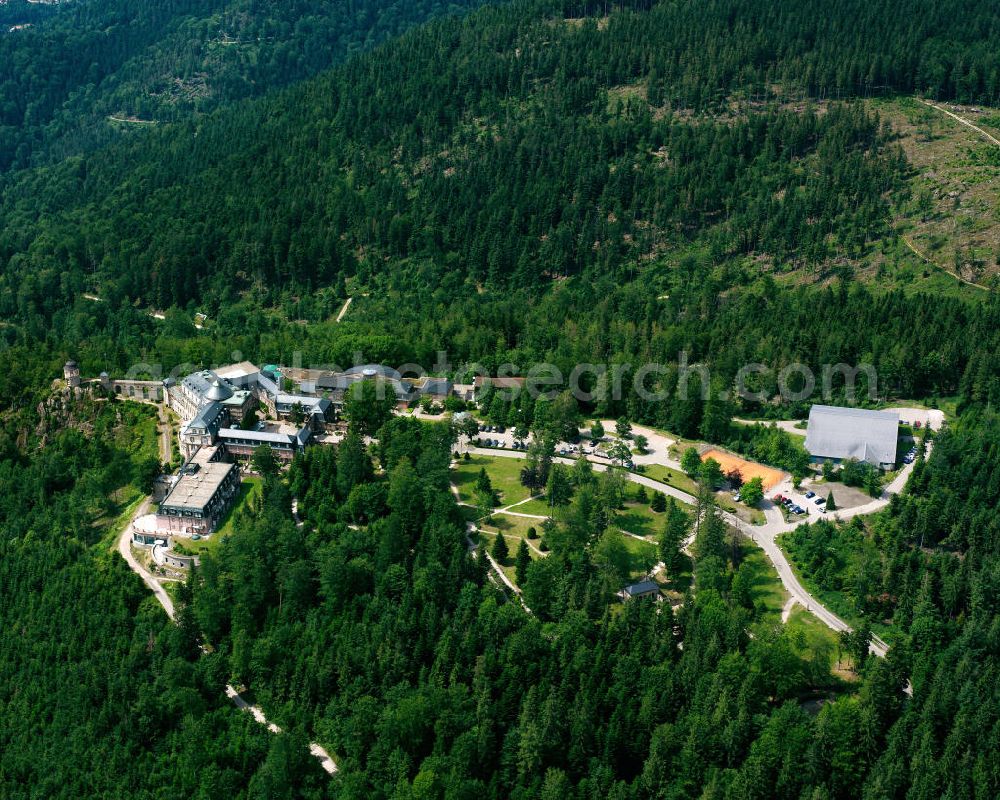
[[125, 548], [764, 536]]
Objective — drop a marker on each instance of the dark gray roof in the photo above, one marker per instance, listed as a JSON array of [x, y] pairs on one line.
[[206, 416], [218, 391], [841, 433], [436, 386], [267, 437], [336, 381], [373, 370]]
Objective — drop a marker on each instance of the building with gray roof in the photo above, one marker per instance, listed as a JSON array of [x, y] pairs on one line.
[[203, 493], [838, 433], [240, 444], [642, 589]]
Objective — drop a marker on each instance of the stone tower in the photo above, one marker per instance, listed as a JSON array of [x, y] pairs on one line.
[[71, 372]]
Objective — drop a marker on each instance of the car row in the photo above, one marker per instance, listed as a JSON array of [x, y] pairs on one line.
[[570, 449], [791, 506], [911, 456]]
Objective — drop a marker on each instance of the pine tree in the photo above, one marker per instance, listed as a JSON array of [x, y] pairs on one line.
[[500, 551], [521, 562], [658, 503], [675, 530]]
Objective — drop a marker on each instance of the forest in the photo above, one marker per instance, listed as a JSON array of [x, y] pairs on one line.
[[513, 142], [388, 642], [99, 694], [79, 63], [558, 181]]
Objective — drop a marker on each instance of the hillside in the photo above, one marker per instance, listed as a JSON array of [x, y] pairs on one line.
[[756, 189], [84, 71], [515, 146]]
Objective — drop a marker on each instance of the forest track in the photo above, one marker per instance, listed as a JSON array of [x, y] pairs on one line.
[[125, 549], [343, 309], [928, 260], [988, 136]]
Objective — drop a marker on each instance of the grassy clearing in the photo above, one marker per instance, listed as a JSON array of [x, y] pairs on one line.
[[669, 476], [127, 505], [511, 526], [952, 221], [644, 556], [812, 635], [514, 530], [505, 475], [768, 594], [537, 505], [640, 519], [838, 602], [754, 516], [249, 491]]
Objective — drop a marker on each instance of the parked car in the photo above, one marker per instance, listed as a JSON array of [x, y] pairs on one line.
[[820, 501], [810, 495], [737, 497], [776, 498]]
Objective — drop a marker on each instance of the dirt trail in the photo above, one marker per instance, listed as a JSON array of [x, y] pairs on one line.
[[125, 549], [343, 310], [990, 137]]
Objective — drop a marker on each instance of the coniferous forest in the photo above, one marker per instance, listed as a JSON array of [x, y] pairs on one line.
[[557, 181]]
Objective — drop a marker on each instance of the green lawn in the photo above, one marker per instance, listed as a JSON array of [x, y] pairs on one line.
[[768, 593], [644, 556], [812, 635], [513, 526], [640, 519], [505, 475], [249, 490], [538, 505], [126, 505], [752, 515], [514, 529], [808, 633], [669, 476]]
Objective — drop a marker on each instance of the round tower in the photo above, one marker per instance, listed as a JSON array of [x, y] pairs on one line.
[[71, 372]]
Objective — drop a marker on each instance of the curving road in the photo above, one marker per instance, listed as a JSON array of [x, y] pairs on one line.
[[125, 549], [765, 536]]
